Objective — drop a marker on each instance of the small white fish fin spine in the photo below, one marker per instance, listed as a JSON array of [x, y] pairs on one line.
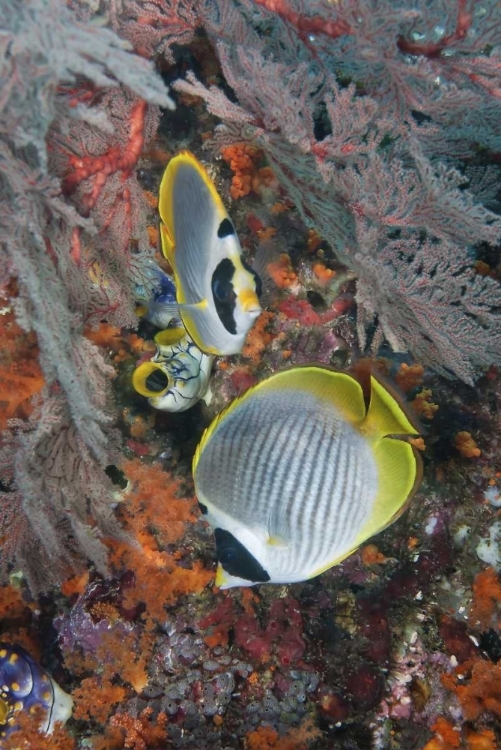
[[385, 415], [399, 474]]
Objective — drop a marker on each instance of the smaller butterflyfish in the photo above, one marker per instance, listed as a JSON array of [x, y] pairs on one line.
[[178, 376], [298, 472], [217, 292]]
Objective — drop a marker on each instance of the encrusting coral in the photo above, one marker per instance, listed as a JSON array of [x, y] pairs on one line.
[[309, 121]]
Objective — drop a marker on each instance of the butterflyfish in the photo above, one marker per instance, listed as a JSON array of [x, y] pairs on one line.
[[217, 291], [298, 472]]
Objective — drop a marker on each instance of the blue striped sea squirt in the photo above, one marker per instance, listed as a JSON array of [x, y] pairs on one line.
[[26, 686], [298, 472]]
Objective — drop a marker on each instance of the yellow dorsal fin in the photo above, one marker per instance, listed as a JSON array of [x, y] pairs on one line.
[[165, 202], [338, 388], [385, 416]]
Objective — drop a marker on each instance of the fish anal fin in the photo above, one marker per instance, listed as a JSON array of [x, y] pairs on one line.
[[200, 326]]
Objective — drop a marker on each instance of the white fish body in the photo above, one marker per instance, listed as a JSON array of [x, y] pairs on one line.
[[297, 473], [217, 294]]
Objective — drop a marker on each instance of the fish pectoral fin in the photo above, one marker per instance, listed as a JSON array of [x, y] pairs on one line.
[[176, 307], [277, 541], [399, 475], [275, 536]]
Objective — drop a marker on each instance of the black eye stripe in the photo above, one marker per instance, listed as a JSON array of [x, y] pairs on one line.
[[224, 295], [156, 381], [236, 560], [225, 229]]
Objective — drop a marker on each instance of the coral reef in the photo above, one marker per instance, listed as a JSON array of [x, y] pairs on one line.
[[356, 146]]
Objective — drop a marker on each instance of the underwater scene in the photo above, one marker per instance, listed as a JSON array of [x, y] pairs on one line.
[[250, 375]]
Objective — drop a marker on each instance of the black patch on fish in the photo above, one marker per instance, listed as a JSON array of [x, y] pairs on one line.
[[224, 294], [257, 278], [236, 560], [225, 229], [203, 508], [157, 381]]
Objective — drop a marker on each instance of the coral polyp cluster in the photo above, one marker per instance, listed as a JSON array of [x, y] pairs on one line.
[[356, 149]]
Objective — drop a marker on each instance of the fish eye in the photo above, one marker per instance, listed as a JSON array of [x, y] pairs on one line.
[[222, 290], [227, 555]]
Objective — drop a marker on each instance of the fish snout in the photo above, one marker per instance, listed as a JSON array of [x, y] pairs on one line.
[[249, 302]]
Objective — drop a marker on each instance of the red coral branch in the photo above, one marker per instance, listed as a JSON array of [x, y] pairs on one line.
[[314, 25], [113, 160], [433, 49]]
